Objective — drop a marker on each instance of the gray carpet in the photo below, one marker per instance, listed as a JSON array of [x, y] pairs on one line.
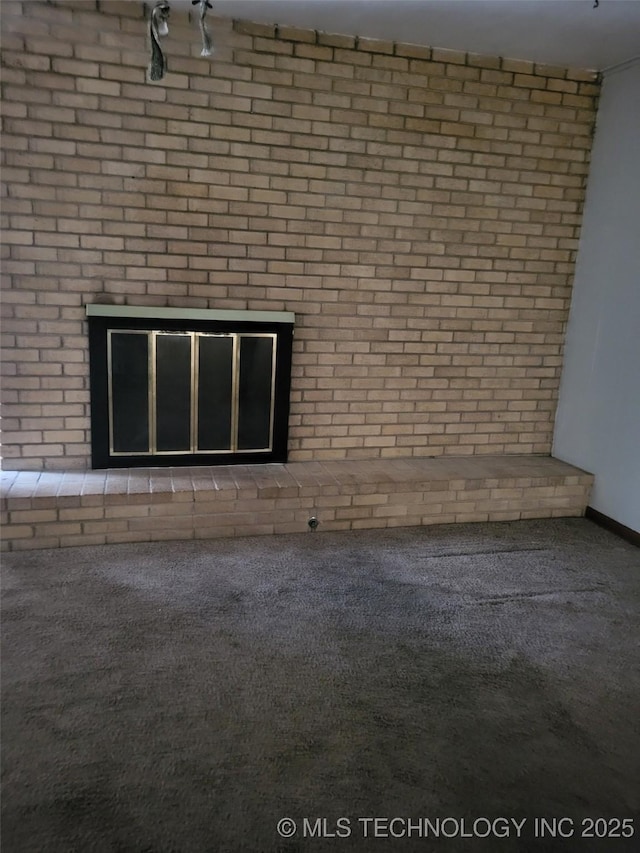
[[187, 696]]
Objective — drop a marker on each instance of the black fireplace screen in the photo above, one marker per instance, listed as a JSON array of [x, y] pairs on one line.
[[188, 396]]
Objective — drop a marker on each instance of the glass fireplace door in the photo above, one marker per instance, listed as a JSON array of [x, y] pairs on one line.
[[174, 393], [217, 416]]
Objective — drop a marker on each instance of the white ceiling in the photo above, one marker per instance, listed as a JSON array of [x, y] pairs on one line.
[[559, 32]]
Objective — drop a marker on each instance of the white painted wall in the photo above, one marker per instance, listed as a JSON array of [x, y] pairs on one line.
[[598, 419]]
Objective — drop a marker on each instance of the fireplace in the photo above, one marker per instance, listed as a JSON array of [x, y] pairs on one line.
[[188, 386]]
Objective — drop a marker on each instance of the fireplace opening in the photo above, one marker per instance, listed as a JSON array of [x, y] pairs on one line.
[[188, 386]]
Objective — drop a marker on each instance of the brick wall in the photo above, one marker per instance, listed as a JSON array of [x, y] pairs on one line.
[[417, 209]]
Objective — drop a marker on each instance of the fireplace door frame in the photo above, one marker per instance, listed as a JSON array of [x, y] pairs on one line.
[[258, 423]]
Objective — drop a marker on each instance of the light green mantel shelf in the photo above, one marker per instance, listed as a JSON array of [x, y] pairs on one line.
[[151, 312]]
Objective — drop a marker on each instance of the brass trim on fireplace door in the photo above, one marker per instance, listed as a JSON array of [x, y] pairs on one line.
[[235, 391], [193, 367], [273, 390], [194, 337], [195, 380], [152, 392], [110, 391]]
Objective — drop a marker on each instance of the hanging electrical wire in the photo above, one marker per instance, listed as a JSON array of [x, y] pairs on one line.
[[207, 45], [158, 26]]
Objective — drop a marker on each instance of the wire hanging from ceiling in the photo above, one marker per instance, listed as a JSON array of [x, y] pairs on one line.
[[207, 45], [158, 26]]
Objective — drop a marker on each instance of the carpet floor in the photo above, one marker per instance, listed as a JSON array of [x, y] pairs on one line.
[[464, 680]]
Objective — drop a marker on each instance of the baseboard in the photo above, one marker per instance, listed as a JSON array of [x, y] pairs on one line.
[[612, 525]]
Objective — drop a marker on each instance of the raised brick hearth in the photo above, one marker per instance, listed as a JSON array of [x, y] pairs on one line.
[[57, 509]]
